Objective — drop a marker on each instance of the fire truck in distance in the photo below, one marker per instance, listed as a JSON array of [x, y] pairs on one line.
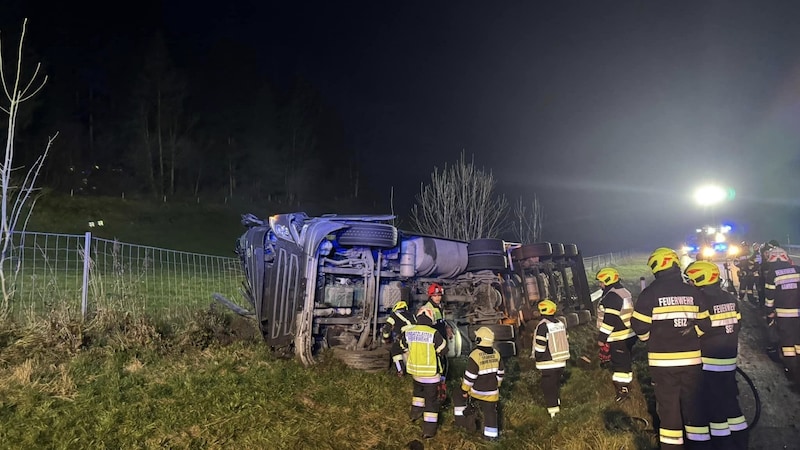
[[329, 282]]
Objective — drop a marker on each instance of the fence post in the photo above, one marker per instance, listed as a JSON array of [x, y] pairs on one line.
[[85, 287]]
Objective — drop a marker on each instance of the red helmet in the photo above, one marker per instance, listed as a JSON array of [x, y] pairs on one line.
[[435, 289]]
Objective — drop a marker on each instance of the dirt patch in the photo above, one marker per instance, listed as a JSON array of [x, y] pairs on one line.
[[777, 427]]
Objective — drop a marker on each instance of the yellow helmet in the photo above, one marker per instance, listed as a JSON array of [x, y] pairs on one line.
[[702, 273], [399, 305], [662, 258], [547, 307], [485, 336], [607, 276]]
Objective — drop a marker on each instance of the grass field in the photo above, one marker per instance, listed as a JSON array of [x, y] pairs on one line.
[[215, 385]]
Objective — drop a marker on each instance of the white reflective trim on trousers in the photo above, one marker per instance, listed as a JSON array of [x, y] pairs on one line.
[[459, 410], [737, 426], [719, 368], [670, 440], [698, 437], [490, 432]]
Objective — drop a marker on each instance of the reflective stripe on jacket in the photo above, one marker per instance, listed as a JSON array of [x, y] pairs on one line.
[[424, 344], [483, 374]]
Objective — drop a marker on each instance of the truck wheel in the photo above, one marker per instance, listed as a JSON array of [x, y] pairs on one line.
[[485, 247], [531, 251], [570, 250], [369, 235], [486, 262], [506, 349], [558, 250]]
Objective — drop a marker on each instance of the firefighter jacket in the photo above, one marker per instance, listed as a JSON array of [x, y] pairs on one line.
[[397, 322], [747, 266], [617, 308], [781, 289], [550, 344], [424, 344], [719, 329], [484, 374], [436, 313], [664, 316]]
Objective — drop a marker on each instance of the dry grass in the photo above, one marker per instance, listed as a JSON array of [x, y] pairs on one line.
[[206, 387]]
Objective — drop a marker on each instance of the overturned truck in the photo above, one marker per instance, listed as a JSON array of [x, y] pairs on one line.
[[329, 282]]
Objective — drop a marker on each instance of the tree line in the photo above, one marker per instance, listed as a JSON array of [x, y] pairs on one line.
[[135, 121]]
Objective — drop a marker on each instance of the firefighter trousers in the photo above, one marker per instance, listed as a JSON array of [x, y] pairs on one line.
[[465, 415], [621, 361], [747, 287], [551, 388], [425, 403], [396, 355], [726, 422], [680, 407], [789, 341]]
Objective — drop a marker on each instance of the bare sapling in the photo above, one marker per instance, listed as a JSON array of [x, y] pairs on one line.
[[460, 203], [527, 226], [17, 183]]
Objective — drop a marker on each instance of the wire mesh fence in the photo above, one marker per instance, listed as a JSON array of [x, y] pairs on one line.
[[597, 262], [46, 271], [86, 274]]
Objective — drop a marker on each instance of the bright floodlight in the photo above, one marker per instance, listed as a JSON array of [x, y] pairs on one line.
[[710, 195]]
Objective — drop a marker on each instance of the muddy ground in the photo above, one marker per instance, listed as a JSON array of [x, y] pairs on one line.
[[779, 424]]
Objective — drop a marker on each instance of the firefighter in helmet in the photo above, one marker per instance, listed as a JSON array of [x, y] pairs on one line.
[[746, 263], [425, 346], [400, 319], [435, 311], [615, 329], [783, 307], [551, 352], [482, 379], [664, 317], [719, 339]]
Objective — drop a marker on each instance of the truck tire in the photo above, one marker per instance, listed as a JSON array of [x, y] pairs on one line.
[[532, 250], [570, 250], [572, 320], [369, 235], [485, 247], [506, 349], [486, 262], [558, 250], [584, 316]]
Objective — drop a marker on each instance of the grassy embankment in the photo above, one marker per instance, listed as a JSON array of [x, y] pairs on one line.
[[118, 382]]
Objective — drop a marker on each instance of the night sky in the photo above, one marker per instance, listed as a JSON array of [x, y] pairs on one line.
[[611, 112]]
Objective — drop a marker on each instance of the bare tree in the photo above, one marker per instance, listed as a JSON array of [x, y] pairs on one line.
[[460, 203], [527, 225], [17, 189]]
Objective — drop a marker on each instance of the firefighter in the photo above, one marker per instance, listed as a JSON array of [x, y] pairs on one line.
[[435, 311], [783, 307], [615, 329], [664, 317], [719, 340], [763, 269], [551, 352], [746, 263], [482, 379], [424, 345], [400, 319]]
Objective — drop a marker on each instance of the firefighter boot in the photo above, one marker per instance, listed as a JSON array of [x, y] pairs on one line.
[[622, 392]]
